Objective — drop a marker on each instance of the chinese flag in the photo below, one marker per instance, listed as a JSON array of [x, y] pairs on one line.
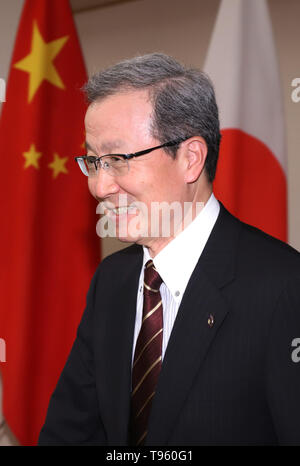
[[49, 244], [251, 173]]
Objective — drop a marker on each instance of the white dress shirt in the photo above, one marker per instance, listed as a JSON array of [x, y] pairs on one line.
[[175, 264]]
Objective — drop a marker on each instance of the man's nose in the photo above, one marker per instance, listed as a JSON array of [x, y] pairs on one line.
[[102, 184]]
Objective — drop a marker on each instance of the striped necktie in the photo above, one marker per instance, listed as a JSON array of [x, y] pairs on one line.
[[148, 355]]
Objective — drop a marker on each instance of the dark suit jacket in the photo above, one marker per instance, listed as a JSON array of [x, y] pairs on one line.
[[228, 376]]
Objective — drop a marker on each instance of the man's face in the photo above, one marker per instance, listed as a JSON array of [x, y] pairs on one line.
[[121, 124]]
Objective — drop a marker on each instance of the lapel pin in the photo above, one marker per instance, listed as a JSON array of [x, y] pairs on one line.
[[211, 320]]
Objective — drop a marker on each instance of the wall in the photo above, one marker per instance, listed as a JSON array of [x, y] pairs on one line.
[[181, 28]]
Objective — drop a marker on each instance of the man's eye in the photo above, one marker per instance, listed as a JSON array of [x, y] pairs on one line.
[[106, 164], [90, 160], [90, 164], [116, 160], [111, 162]]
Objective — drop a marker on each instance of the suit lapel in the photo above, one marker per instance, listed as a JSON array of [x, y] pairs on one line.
[[199, 317]]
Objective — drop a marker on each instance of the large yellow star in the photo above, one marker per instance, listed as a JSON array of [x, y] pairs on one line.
[[32, 157], [58, 165], [39, 63]]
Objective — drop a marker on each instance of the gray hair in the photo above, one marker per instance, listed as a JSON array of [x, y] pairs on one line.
[[183, 99]]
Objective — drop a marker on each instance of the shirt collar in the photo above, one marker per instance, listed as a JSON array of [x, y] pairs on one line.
[[177, 260]]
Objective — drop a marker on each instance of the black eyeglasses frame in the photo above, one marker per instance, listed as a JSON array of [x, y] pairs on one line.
[[96, 160]]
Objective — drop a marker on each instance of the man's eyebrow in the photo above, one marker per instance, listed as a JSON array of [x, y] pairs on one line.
[[106, 147]]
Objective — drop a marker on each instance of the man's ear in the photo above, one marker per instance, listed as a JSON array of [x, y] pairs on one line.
[[195, 152]]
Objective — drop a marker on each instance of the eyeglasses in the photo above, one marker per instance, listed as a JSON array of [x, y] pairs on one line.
[[116, 164]]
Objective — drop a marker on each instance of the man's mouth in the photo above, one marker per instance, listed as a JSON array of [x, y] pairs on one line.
[[122, 210]]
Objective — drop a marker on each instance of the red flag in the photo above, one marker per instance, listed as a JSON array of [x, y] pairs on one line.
[[251, 174], [49, 244]]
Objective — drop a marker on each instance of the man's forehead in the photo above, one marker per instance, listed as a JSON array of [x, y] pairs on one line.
[[118, 121]]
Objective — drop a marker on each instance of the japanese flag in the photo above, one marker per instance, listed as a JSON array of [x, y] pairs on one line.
[[241, 61]]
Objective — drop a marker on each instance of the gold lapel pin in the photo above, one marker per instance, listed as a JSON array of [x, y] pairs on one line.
[[210, 320]]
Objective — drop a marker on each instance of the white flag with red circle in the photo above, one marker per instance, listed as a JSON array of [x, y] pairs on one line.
[[241, 61]]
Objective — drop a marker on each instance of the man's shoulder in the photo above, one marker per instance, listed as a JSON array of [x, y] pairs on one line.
[[133, 251], [121, 267], [264, 251], [123, 259]]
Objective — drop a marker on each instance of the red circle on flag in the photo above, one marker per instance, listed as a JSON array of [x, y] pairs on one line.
[[251, 183]]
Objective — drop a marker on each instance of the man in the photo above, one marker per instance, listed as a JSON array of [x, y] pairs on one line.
[[204, 355]]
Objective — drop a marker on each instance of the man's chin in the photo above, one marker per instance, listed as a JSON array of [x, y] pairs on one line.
[[125, 239], [141, 240], [130, 230]]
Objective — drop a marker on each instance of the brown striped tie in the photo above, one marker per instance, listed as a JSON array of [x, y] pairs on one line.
[[147, 356]]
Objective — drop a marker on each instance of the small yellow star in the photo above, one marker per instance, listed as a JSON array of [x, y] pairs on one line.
[[32, 157], [58, 165], [39, 62]]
